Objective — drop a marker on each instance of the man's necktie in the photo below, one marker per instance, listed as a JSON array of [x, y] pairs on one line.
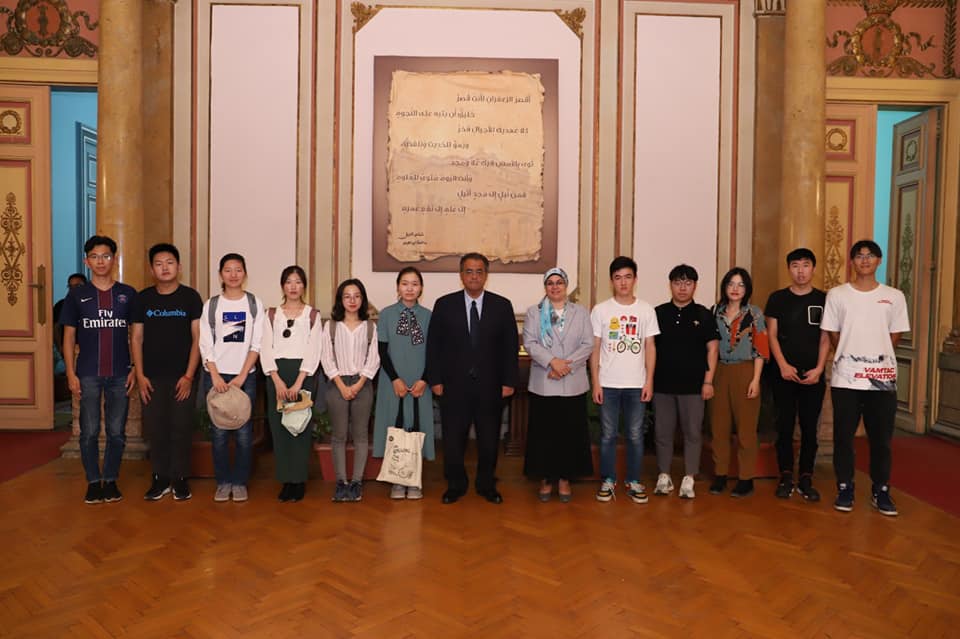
[[474, 323]]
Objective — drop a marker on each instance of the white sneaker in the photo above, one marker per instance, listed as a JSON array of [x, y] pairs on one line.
[[414, 493], [239, 493], [664, 485], [637, 492], [398, 492], [606, 492], [223, 492], [686, 487]]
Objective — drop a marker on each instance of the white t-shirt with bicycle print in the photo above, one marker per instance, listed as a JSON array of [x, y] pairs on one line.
[[622, 330]]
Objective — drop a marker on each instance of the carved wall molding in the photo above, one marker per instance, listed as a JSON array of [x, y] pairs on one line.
[[362, 14], [45, 29], [13, 248], [833, 239], [767, 8], [574, 19]]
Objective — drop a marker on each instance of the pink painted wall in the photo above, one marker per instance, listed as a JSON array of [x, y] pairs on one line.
[[91, 7], [931, 24]]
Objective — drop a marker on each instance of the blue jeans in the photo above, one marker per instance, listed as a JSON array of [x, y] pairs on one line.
[[220, 438], [115, 405], [616, 400]]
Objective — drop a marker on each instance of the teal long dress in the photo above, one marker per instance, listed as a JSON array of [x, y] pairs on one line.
[[409, 360]]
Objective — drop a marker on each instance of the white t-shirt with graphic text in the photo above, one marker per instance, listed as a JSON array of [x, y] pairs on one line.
[[236, 334], [622, 330], [865, 359]]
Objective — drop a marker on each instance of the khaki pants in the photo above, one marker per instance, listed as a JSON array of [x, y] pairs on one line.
[[730, 406]]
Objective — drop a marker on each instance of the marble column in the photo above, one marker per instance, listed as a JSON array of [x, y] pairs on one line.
[[157, 111], [768, 131], [120, 167], [802, 151], [803, 160]]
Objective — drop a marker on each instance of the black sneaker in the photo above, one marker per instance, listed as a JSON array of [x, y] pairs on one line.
[[297, 491], [883, 502], [181, 489], [111, 492], [94, 493], [844, 500], [340, 492], [785, 486], [743, 488], [285, 492], [806, 489], [355, 491], [719, 485], [159, 488]]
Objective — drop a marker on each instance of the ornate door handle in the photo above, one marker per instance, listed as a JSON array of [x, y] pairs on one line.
[[41, 287]]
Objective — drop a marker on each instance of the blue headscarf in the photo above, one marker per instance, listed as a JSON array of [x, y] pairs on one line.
[[546, 309]]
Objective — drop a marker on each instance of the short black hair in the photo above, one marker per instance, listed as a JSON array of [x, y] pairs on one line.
[[683, 272], [79, 276], [475, 256], [747, 285], [100, 240], [799, 254], [870, 245], [164, 247], [622, 261], [339, 312]]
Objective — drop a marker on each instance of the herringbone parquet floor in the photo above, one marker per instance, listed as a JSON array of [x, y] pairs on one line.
[[713, 567]]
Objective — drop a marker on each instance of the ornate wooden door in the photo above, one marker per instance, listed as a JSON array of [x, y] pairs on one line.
[[26, 343], [911, 258]]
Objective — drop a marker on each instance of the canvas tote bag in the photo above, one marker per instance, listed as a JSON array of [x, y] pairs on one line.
[[403, 455]]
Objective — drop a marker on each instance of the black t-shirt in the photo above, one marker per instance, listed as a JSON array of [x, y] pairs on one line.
[[166, 323], [798, 325], [682, 348]]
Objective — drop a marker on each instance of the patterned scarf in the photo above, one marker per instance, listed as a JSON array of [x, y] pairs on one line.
[[408, 325], [550, 319]]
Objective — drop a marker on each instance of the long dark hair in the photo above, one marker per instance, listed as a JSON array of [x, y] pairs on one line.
[[747, 286], [339, 312]]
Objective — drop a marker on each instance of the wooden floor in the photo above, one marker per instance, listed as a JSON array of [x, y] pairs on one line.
[[712, 567]]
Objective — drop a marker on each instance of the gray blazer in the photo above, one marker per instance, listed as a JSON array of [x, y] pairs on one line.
[[575, 343]]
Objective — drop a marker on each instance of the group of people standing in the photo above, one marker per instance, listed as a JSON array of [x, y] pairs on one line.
[[686, 359]]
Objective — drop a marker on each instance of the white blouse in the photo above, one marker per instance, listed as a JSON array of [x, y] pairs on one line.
[[354, 355], [303, 343]]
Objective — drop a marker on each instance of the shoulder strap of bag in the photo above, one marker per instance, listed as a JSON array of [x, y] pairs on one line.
[[314, 313], [272, 315], [333, 341], [212, 315], [252, 301]]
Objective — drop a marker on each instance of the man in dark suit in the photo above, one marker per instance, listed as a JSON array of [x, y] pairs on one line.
[[472, 367]]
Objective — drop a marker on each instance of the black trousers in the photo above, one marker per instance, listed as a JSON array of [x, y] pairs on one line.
[[793, 400], [879, 410], [168, 425], [457, 415]]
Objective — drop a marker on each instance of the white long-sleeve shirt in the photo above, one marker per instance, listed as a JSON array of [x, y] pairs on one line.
[[235, 334], [303, 343], [354, 355]]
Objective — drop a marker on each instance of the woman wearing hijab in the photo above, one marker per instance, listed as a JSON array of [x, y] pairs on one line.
[[402, 337], [558, 336]]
